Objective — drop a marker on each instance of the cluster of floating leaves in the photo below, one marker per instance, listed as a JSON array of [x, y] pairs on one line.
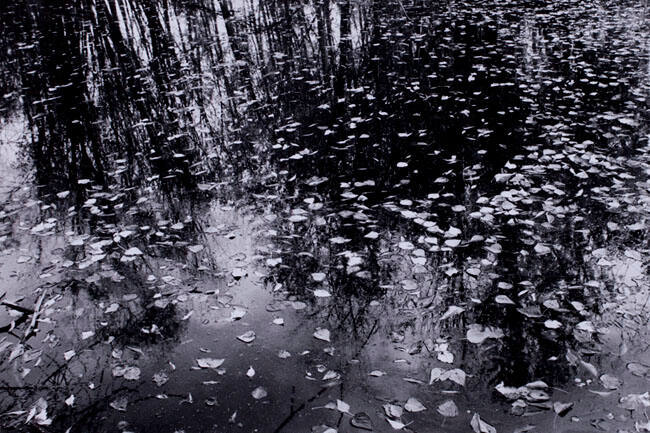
[[476, 202]]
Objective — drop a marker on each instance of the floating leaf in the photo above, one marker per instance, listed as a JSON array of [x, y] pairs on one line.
[[322, 334], [133, 251], [396, 425], [237, 313], [562, 408], [160, 378], [259, 393], [452, 311], [552, 324], [480, 426], [503, 299], [610, 382], [590, 368], [635, 401], [477, 334], [393, 410], [132, 373], [195, 248], [414, 405], [209, 362], [247, 337], [342, 406], [638, 369], [120, 404], [362, 421], [448, 409]]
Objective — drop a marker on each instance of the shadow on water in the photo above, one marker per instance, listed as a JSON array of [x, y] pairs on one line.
[[450, 196]]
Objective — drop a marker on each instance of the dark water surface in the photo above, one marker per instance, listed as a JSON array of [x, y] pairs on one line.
[[275, 216]]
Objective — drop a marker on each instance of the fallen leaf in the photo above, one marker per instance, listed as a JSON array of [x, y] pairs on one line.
[[362, 421], [322, 334], [414, 405], [480, 426], [396, 425], [448, 409], [562, 408], [247, 337], [209, 362], [259, 393], [477, 334], [342, 406], [610, 382]]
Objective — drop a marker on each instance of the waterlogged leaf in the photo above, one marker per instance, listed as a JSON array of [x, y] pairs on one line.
[[456, 375], [38, 413], [610, 382], [237, 313], [323, 429], [480, 426], [446, 357], [362, 421], [210, 362], [195, 248], [238, 273], [477, 334], [396, 425], [542, 249], [552, 324], [635, 401], [393, 410], [503, 299], [562, 408], [247, 337], [132, 373], [322, 334], [259, 393], [342, 406], [436, 375], [160, 378], [448, 409], [590, 368], [120, 404], [414, 405], [638, 369]]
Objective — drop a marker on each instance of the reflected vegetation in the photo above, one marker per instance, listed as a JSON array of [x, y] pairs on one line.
[[410, 203]]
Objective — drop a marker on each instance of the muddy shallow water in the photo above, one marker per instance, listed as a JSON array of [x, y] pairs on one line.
[[324, 216]]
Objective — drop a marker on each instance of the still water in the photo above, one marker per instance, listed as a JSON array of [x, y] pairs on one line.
[[321, 216]]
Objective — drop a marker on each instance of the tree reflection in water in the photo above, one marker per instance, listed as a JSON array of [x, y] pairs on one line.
[[435, 168]]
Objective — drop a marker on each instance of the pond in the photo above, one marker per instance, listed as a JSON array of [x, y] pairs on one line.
[[322, 216]]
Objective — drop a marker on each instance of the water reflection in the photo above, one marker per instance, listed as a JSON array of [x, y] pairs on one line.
[[411, 176]]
